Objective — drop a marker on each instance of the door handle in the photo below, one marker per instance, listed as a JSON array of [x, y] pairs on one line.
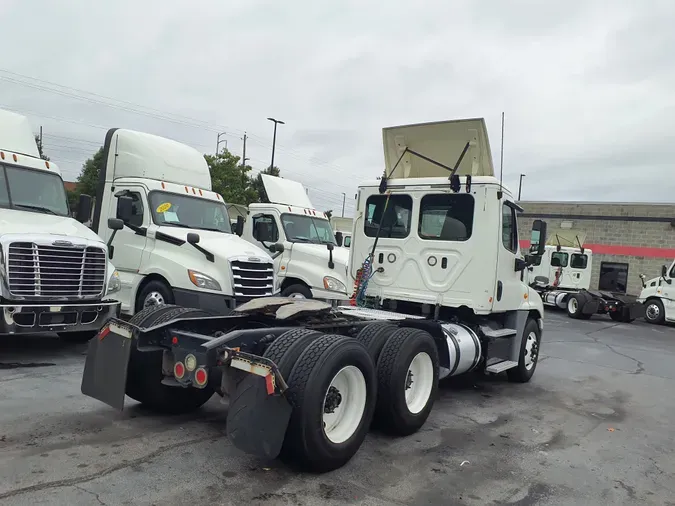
[[499, 290]]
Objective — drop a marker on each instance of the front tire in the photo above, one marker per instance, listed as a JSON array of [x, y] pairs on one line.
[[407, 381], [529, 354], [332, 389], [144, 376], [154, 293], [297, 291], [654, 312], [575, 304]]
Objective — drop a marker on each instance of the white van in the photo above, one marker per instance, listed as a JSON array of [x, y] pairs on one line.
[[310, 265], [54, 271], [177, 245]]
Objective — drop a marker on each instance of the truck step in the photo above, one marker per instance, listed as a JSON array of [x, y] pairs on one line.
[[502, 366], [496, 333]]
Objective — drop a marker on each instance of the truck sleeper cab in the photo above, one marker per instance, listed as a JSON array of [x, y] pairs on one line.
[[177, 245]]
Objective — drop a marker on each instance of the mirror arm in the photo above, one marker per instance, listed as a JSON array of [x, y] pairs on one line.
[[111, 248], [209, 256]]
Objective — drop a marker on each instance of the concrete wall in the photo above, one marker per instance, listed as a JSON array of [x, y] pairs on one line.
[[638, 234]]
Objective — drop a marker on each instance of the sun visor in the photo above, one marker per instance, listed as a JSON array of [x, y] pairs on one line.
[[441, 141], [566, 237], [285, 191]]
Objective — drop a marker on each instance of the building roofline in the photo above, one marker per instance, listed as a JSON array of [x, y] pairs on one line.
[[587, 202]]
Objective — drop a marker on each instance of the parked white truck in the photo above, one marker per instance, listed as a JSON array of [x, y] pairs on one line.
[[311, 265], [658, 296], [54, 272], [343, 230], [176, 245], [437, 257]]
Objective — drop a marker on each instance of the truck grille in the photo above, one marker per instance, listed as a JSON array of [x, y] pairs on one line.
[[252, 279], [55, 272]]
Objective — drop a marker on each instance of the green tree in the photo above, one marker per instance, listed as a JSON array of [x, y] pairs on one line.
[[258, 185], [230, 179], [88, 178], [40, 147]]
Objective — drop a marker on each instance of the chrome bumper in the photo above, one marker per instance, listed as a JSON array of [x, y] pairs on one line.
[[69, 317]]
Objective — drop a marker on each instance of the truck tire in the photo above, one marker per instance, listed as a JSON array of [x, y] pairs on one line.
[[407, 381], [82, 336], [575, 304], [529, 354], [297, 291], [154, 293], [286, 348], [373, 336], [332, 389], [654, 311], [144, 376]]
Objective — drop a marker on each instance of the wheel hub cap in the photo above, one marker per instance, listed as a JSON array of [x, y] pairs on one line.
[[344, 404], [153, 299], [652, 311], [419, 382], [531, 351]]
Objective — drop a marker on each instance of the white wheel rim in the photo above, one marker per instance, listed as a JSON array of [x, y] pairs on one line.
[[573, 305], [341, 418], [153, 299], [419, 382], [530, 351], [652, 311], [297, 296]]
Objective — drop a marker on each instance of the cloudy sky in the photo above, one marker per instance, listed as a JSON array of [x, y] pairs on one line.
[[588, 87]]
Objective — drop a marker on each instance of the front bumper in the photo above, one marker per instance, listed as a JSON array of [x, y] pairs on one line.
[[330, 296], [68, 317], [212, 302]]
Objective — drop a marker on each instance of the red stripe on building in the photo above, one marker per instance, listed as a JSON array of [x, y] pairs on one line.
[[617, 249]]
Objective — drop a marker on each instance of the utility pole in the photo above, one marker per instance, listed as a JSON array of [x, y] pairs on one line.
[[344, 198], [274, 139], [520, 185], [243, 161], [219, 141]]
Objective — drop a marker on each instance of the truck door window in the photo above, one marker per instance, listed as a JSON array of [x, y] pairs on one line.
[[137, 209], [396, 219], [347, 241], [509, 228], [446, 217], [578, 261], [265, 225], [559, 259], [4, 196]]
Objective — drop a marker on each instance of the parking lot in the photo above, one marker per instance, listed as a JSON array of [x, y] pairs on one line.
[[594, 426]]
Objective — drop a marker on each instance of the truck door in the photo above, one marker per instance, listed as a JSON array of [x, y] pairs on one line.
[[559, 266], [510, 290], [129, 246], [265, 231]]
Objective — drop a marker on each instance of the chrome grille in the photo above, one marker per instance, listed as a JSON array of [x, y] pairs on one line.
[[252, 279], [40, 271]]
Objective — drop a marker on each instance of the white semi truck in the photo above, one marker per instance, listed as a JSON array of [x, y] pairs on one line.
[[343, 230], [55, 275], [440, 292], [176, 245], [563, 279], [311, 266], [658, 296]]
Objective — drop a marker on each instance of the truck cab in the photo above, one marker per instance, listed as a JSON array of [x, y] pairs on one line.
[[311, 264], [55, 275], [343, 230], [177, 244], [658, 296], [566, 268]]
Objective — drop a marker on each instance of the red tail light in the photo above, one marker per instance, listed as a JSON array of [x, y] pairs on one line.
[[201, 377], [179, 370]]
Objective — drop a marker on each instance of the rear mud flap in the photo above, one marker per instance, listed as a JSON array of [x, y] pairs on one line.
[[591, 307], [257, 421], [105, 369], [636, 310]]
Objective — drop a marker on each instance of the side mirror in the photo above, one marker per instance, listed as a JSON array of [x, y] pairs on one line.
[[276, 248], [263, 233], [193, 238], [339, 238], [330, 246], [124, 208], [239, 226], [115, 224], [664, 271], [538, 238], [84, 208]]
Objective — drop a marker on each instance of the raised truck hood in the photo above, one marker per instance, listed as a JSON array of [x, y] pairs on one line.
[[441, 141], [24, 222]]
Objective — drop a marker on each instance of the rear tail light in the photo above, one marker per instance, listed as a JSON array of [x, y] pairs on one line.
[[201, 377], [190, 362], [179, 370]]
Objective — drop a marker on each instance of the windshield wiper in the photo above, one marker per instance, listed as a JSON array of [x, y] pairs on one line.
[[36, 208], [302, 239], [175, 224]]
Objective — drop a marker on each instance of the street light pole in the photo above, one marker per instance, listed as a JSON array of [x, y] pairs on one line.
[[520, 185], [218, 142], [344, 197], [274, 139]]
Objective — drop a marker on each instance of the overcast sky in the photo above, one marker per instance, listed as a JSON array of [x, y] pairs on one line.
[[588, 87]]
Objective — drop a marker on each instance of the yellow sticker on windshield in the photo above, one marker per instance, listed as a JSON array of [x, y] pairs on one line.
[[162, 208]]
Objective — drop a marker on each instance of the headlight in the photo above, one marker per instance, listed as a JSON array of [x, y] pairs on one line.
[[203, 281], [114, 283], [334, 285]]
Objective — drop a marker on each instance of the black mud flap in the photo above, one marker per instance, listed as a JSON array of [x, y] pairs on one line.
[[591, 307], [105, 370], [256, 421], [636, 310]]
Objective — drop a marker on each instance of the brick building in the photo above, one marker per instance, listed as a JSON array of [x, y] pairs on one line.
[[627, 239]]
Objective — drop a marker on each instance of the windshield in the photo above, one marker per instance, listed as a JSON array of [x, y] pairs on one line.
[[175, 210], [307, 229], [32, 190]]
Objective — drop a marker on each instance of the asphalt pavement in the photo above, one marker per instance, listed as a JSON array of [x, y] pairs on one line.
[[594, 426]]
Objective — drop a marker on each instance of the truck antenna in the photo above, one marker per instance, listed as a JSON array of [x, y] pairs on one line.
[[501, 161]]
